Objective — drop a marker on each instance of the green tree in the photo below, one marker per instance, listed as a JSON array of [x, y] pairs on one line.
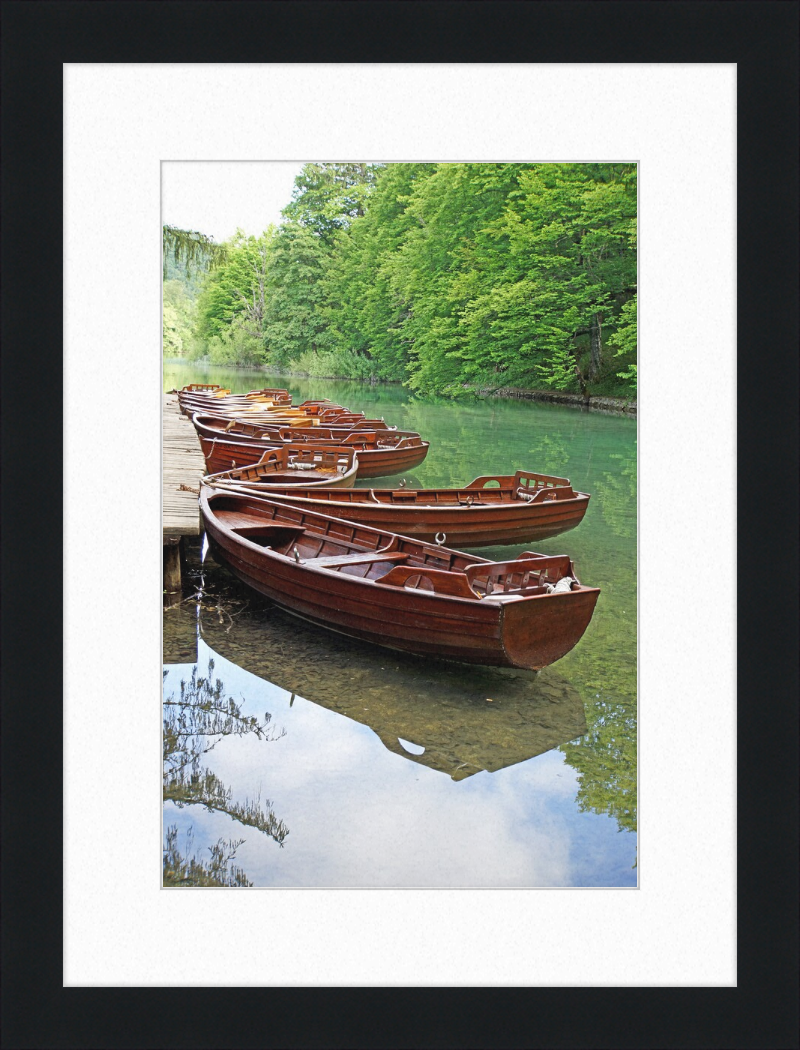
[[550, 275], [624, 340], [448, 276], [434, 275], [178, 319], [233, 303], [188, 250], [327, 197], [294, 322], [362, 311]]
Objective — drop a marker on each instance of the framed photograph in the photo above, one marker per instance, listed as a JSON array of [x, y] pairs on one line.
[[682, 90]]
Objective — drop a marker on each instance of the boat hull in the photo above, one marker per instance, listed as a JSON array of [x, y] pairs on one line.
[[310, 466], [529, 632], [462, 526], [378, 462]]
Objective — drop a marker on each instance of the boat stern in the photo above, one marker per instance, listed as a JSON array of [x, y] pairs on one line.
[[538, 631]]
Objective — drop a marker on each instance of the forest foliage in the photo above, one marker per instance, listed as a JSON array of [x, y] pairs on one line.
[[447, 277]]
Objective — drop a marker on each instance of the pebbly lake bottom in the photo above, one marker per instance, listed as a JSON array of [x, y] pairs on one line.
[[296, 757]]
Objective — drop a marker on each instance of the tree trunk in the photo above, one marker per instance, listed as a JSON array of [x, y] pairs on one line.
[[582, 384], [596, 346]]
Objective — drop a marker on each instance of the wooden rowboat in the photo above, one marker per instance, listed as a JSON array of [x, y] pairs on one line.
[[245, 425], [264, 403], [215, 390], [399, 592], [191, 404], [514, 508], [210, 394], [199, 388], [190, 401], [380, 453], [311, 466], [240, 428]]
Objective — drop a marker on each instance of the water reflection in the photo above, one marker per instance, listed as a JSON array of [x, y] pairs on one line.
[[456, 719], [390, 770], [618, 494], [605, 759], [196, 718]]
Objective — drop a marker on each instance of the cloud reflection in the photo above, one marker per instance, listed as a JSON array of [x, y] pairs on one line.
[[363, 816]]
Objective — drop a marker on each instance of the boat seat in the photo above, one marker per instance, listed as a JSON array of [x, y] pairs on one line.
[[333, 561]]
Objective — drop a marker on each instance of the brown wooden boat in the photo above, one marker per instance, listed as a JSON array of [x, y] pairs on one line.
[[268, 427], [273, 417], [239, 404], [380, 453], [490, 511], [399, 592], [308, 465], [222, 399], [251, 426], [270, 415], [215, 390]]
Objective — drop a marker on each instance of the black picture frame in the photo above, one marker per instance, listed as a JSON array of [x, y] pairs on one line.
[[762, 38]]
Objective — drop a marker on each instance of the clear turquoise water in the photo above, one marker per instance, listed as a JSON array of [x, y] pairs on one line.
[[384, 771]]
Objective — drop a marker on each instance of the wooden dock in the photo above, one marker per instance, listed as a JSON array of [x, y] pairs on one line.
[[182, 465]]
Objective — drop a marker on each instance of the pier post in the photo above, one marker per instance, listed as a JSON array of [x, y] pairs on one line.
[[172, 564]]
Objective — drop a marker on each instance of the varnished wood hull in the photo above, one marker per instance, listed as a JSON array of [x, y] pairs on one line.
[[461, 526], [525, 630], [191, 401], [310, 466], [372, 462], [241, 428]]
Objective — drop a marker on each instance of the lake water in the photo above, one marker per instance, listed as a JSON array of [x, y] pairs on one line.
[[326, 762]]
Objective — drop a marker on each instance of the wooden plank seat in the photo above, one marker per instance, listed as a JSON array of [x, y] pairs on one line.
[[333, 561]]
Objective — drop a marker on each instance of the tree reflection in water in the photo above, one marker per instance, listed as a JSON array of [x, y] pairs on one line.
[[194, 724], [605, 760], [180, 871]]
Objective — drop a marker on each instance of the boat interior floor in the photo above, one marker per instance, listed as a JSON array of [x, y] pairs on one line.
[[291, 477], [342, 554], [318, 549]]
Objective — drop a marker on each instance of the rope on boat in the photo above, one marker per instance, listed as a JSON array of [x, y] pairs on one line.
[[439, 542], [563, 585]]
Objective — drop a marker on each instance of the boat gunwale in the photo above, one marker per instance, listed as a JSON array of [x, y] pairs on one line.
[[284, 458], [388, 538]]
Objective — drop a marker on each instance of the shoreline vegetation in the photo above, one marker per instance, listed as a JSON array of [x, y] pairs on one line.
[[597, 403], [454, 280]]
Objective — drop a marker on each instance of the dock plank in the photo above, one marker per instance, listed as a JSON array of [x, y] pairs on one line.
[[182, 463]]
